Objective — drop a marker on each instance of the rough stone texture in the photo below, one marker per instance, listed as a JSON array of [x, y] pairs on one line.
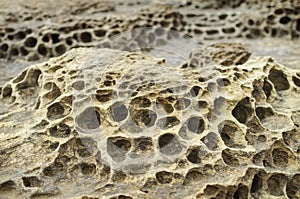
[[233, 135], [37, 30], [103, 123]]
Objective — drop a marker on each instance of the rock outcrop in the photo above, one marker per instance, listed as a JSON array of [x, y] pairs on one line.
[[101, 123], [149, 99]]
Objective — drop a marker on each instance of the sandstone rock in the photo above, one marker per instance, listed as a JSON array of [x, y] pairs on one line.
[[122, 110], [104, 123]]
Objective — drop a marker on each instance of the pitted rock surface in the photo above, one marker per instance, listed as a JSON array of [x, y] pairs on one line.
[[98, 121], [37, 30], [41, 30], [89, 124]]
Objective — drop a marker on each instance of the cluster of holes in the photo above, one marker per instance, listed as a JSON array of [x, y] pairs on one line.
[[219, 191], [278, 24], [278, 156], [276, 184], [49, 44], [168, 143]]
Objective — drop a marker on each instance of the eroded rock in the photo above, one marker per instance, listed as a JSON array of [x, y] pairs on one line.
[[153, 140]]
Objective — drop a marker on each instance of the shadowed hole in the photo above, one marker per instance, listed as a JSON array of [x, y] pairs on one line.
[[54, 169], [196, 124], [86, 37], [169, 144], [242, 111], [60, 131], [7, 91], [193, 156], [256, 184], [164, 177], [88, 169], [182, 103], [229, 158], [23, 51], [14, 52], [55, 111], [298, 25], [228, 30], [4, 47], [30, 42], [144, 144], [55, 38], [267, 87], [20, 35], [118, 147], [280, 158], [60, 49], [296, 81], [31, 181], [104, 95], [195, 91], [241, 192], [263, 112], [7, 185], [279, 79], [193, 176], [222, 82], [285, 20], [276, 183], [143, 117], [42, 49], [88, 119], [119, 111], [141, 102], [100, 33], [293, 186]]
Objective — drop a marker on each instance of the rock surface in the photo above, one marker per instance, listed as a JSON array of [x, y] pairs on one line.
[[116, 124], [121, 110], [39, 29]]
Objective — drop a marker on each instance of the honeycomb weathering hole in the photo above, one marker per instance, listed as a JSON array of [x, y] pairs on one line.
[[144, 117], [88, 119], [119, 111], [118, 147], [195, 124], [134, 116], [169, 144], [279, 79]]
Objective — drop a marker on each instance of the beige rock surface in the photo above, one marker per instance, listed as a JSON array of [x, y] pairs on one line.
[[183, 117], [36, 30], [91, 124]]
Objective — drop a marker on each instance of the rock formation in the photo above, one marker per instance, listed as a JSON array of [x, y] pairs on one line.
[[101, 120], [107, 123]]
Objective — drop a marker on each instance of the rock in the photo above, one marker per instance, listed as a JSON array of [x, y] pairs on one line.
[[105, 123], [41, 29], [149, 99]]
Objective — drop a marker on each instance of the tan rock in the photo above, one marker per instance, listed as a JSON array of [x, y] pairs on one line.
[[113, 124]]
